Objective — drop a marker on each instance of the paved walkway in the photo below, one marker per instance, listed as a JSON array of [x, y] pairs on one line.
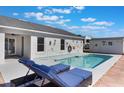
[[114, 77]]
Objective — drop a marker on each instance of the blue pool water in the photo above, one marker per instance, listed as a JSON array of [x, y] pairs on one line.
[[86, 61]]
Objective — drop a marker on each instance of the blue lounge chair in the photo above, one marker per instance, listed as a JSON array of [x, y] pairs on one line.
[[71, 78], [58, 68]]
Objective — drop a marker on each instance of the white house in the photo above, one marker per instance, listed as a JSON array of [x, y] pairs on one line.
[[113, 45], [22, 38]]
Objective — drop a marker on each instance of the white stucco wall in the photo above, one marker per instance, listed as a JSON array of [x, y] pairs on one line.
[[2, 48], [52, 50], [27, 47], [117, 46]]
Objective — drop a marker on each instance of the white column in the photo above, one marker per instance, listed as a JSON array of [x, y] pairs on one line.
[[27, 46], [33, 46], [2, 48]]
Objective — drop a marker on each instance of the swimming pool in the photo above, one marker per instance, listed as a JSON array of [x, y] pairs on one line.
[[97, 63], [86, 61]]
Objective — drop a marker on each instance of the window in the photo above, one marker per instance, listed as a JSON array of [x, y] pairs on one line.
[[83, 41], [62, 44], [87, 41], [110, 43], [40, 44], [103, 43], [96, 45]]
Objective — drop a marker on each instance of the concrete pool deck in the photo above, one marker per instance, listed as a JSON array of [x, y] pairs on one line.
[[12, 69], [113, 78]]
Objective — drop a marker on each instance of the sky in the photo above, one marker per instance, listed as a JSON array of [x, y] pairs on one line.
[[93, 21]]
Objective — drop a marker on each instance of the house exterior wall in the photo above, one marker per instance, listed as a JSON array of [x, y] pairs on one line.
[[2, 47], [29, 48], [116, 48], [54, 48]]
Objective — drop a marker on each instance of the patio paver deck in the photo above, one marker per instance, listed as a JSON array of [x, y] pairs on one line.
[[114, 77]]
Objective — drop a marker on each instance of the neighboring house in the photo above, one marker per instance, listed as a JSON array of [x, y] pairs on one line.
[[113, 45], [22, 38]]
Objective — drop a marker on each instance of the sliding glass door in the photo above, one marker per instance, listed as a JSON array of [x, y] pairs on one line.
[[9, 46]]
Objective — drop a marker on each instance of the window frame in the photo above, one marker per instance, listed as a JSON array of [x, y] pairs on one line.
[[103, 43], [96, 45], [62, 44], [40, 44], [110, 43]]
